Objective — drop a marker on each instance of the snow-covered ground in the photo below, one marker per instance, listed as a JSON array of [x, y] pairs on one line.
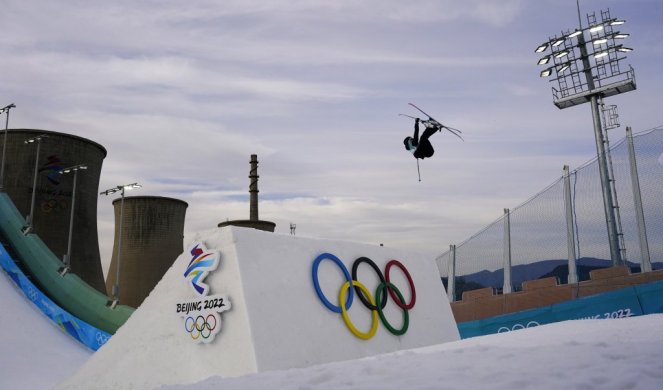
[[585, 354]]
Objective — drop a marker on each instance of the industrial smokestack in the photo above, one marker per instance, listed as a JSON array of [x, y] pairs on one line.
[[253, 188], [253, 221]]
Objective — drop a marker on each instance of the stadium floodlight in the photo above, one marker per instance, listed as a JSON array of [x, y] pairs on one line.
[[562, 54], [575, 34], [601, 54], [544, 60], [5, 109], [66, 259], [558, 42], [546, 72], [30, 218], [542, 47], [121, 188], [588, 73]]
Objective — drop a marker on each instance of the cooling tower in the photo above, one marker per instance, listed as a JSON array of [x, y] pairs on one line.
[[53, 194], [151, 239]]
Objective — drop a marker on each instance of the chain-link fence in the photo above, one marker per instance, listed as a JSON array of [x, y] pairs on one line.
[[533, 239]]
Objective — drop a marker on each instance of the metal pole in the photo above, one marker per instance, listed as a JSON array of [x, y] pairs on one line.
[[34, 187], [570, 228], [645, 260], [608, 204], [116, 287], [451, 278], [4, 151], [67, 257], [507, 287]]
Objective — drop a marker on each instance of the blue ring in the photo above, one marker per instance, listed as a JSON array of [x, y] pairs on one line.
[[316, 282]]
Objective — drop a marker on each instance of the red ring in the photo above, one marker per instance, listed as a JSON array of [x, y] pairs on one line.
[[393, 295]]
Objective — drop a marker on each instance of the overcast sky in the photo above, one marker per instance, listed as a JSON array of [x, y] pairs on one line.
[[182, 93]]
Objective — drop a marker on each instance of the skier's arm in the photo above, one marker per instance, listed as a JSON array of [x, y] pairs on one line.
[[416, 132]]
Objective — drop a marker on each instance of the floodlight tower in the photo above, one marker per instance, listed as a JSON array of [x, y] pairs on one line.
[[121, 188], [4, 144], [586, 62], [66, 259]]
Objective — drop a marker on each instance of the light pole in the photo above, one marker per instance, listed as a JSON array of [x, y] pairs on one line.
[[588, 71], [4, 145], [66, 259], [29, 220], [120, 188]]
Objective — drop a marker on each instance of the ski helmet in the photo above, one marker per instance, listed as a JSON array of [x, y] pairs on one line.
[[408, 143]]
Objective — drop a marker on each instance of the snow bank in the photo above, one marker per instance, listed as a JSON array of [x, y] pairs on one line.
[[36, 354], [275, 319]]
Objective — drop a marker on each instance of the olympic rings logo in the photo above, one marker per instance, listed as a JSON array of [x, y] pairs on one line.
[[101, 338], [346, 294], [32, 294], [201, 326], [53, 204], [530, 324]]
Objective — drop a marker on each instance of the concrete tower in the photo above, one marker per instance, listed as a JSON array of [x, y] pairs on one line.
[[152, 238], [53, 194], [253, 221]]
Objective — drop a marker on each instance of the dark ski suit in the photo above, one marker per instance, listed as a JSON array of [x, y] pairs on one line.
[[422, 147]]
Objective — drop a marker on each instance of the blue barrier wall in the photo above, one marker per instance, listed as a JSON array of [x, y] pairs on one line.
[[85, 333], [626, 302]]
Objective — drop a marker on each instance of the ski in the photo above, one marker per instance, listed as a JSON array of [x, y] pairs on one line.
[[450, 129], [422, 111], [409, 116]]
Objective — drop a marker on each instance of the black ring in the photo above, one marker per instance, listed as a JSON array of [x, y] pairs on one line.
[[362, 298]]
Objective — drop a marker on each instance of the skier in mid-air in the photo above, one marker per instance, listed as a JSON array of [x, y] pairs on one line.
[[421, 147]]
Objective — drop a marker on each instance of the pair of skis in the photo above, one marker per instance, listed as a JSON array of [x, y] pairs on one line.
[[434, 122]]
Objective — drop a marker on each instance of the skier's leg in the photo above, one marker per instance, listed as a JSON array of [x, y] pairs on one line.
[[428, 132]]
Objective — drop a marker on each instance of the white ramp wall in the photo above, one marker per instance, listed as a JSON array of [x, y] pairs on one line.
[[275, 319]]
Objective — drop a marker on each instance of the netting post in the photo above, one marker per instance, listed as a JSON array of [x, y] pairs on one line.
[[507, 287], [451, 281], [645, 261], [570, 228]]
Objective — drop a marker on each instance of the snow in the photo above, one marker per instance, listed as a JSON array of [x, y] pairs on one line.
[[34, 352], [276, 321], [583, 354]]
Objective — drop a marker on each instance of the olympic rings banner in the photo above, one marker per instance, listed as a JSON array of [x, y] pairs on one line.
[[202, 319], [374, 303]]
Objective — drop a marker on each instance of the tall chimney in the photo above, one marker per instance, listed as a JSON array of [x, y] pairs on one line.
[[253, 221], [253, 188]]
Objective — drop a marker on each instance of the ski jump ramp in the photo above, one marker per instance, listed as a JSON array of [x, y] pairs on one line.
[[70, 292], [241, 301]]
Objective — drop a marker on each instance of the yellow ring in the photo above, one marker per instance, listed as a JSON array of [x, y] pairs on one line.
[[346, 317]]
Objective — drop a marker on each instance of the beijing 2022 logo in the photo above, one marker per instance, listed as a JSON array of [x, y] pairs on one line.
[[202, 319]]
